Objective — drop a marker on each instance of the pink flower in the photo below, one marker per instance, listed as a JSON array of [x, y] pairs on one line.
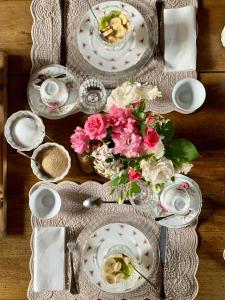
[[134, 175], [150, 120], [79, 140], [152, 138], [185, 185], [95, 127], [118, 116], [129, 145]]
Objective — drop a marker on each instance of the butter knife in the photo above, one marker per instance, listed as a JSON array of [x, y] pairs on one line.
[[163, 254], [63, 11]]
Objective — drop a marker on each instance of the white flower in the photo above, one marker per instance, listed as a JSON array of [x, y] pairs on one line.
[[157, 172], [223, 37], [185, 168], [129, 93], [104, 168], [158, 150]]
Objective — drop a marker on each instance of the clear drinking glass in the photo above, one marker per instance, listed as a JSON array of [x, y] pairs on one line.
[[93, 96]]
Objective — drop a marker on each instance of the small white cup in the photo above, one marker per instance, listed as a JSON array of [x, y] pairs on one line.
[[188, 95], [54, 91], [45, 203], [175, 199]]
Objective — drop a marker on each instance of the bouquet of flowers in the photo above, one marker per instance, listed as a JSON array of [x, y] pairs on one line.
[[128, 145]]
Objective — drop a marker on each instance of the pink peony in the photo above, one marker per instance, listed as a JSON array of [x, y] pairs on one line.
[[129, 145], [134, 175], [95, 127], [79, 140], [152, 138]]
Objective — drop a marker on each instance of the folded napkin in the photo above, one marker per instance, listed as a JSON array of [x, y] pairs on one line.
[[180, 39], [49, 259]]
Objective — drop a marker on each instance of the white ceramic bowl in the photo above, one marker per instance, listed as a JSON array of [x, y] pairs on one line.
[[45, 203], [13, 127], [37, 172], [188, 95]]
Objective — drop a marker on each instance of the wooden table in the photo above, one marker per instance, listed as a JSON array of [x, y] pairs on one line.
[[205, 128]]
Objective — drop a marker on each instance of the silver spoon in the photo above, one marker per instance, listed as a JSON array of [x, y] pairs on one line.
[[90, 202], [92, 10], [140, 273], [168, 216]]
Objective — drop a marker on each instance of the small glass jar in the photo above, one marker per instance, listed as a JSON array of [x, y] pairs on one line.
[[92, 96]]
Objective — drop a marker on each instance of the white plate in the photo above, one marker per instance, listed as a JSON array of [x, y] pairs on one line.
[[34, 98], [105, 59], [117, 234], [195, 205]]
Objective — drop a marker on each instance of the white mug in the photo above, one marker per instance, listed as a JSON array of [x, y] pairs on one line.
[[54, 90]]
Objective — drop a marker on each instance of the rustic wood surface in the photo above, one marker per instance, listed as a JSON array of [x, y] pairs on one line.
[[205, 128], [3, 144]]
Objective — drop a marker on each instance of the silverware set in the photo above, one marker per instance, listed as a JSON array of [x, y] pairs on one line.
[[71, 246]]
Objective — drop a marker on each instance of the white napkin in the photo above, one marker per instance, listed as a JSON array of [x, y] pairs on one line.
[[49, 259], [180, 39]]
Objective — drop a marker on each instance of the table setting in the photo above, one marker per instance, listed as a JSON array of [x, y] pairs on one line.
[[124, 65]]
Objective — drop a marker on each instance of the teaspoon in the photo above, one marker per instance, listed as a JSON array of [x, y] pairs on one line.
[[90, 202]]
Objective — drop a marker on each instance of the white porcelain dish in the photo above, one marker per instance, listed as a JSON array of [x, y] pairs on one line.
[[111, 235], [45, 203], [37, 172], [55, 110], [104, 58], [24, 130], [188, 95]]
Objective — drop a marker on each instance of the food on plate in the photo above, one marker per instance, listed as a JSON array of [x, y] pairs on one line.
[[117, 267], [114, 26]]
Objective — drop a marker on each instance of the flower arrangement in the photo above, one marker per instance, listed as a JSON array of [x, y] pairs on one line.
[[128, 145]]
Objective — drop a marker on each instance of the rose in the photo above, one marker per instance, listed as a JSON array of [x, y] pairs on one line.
[[79, 140], [118, 116], [134, 175], [96, 127], [150, 120], [129, 93], [158, 151], [157, 172], [152, 138]]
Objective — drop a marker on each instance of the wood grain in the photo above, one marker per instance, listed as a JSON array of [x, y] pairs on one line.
[[3, 146], [205, 128]]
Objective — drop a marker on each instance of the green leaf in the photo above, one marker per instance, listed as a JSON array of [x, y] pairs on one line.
[[131, 80], [122, 179], [166, 130], [183, 150], [135, 188], [143, 129]]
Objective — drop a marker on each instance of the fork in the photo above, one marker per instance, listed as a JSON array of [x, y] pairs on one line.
[[158, 50], [71, 245]]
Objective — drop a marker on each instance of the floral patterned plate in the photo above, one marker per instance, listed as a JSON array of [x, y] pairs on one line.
[[53, 111], [195, 204], [111, 235], [111, 60]]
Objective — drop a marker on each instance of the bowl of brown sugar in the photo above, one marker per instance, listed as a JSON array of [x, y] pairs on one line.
[[50, 162]]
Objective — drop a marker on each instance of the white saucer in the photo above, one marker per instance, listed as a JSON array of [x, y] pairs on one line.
[[109, 60], [118, 234], [195, 205], [34, 98]]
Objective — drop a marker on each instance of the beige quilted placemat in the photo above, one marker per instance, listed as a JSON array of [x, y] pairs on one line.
[[46, 32], [182, 259]]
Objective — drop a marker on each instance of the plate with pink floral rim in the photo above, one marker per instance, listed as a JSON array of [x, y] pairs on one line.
[[179, 221], [112, 235], [105, 58], [54, 110]]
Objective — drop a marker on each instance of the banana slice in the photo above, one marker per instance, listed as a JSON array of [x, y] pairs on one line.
[[112, 39], [123, 19], [117, 255], [107, 33], [128, 26], [119, 277], [120, 32], [109, 265], [117, 267], [110, 278], [126, 260], [115, 22]]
